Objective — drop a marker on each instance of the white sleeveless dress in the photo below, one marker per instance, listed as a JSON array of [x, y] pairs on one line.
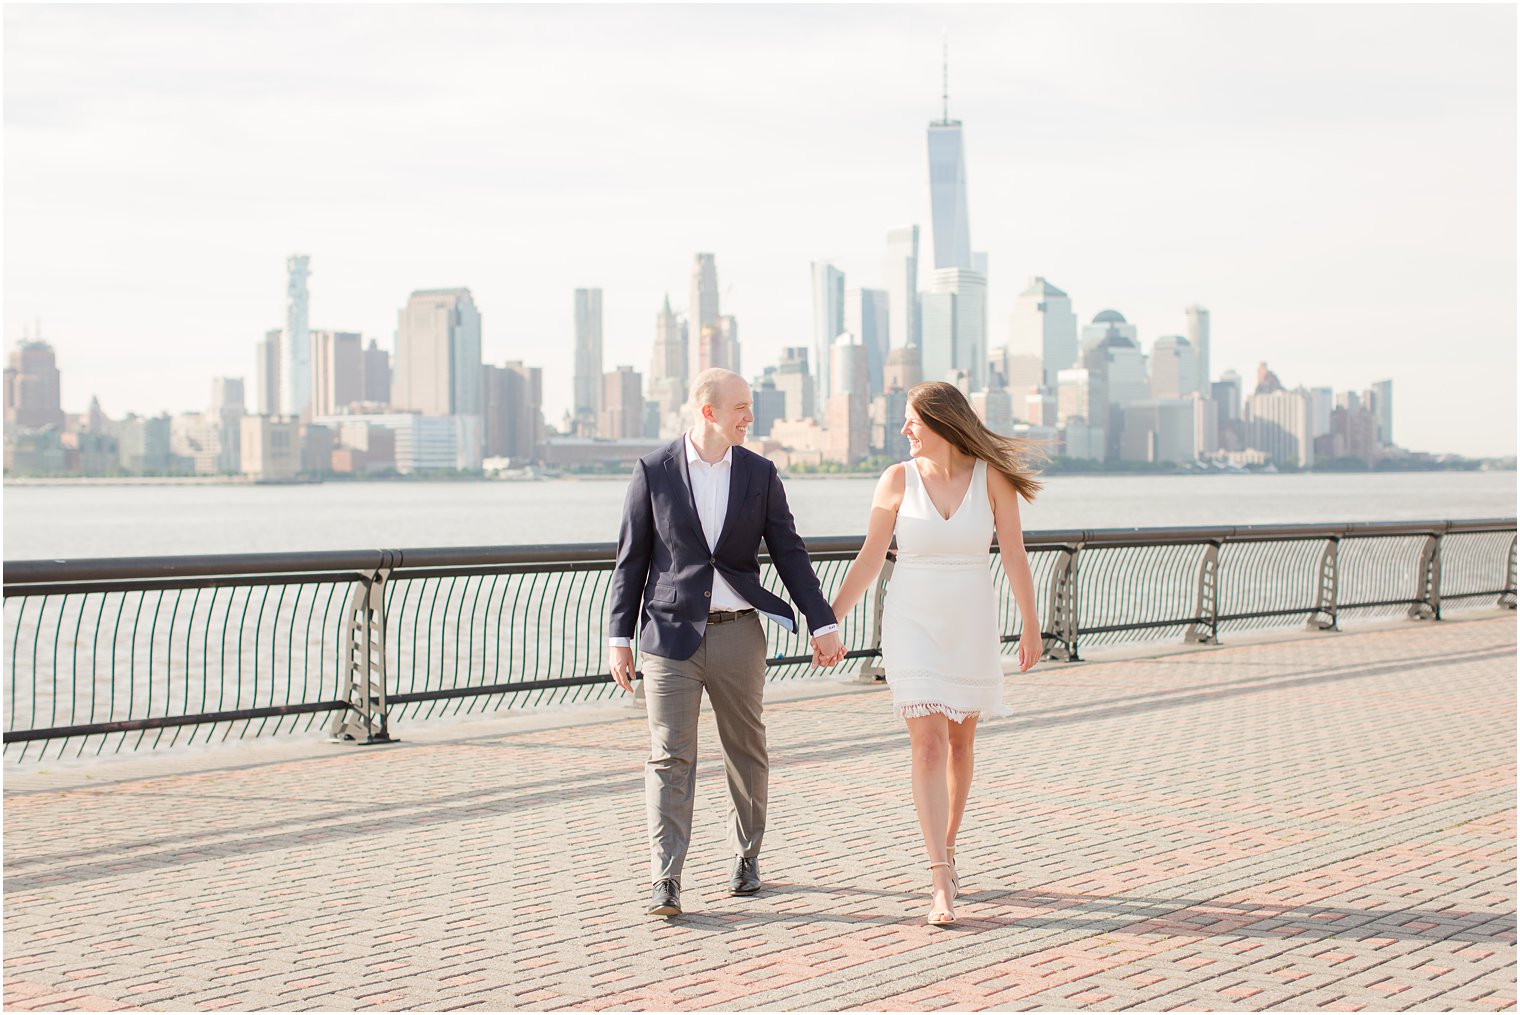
[[939, 634]]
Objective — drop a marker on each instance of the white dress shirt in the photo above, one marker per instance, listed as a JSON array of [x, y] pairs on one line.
[[709, 488]]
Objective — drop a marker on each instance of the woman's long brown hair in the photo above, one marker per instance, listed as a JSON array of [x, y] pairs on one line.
[[944, 409]]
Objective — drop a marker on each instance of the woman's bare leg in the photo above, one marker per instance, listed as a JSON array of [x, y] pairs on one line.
[[961, 737], [930, 735]]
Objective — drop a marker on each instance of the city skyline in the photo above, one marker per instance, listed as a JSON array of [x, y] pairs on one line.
[[1147, 237]]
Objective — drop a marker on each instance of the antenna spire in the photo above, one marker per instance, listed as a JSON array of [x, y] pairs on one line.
[[945, 96]]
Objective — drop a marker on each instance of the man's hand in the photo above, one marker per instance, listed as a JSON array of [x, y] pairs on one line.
[[622, 667], [828, 649]]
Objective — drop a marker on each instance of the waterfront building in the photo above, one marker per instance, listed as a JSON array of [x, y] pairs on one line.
[[438, 366], [796, 383], [195, 438], [1205, 425], [1043, 325], [803, 436], [514, 419], [865, 317], [1322, 403], [901, 273], [270, 447], [228, 409], [377, 375], [337, 370], [1158, 430], [1198, 335], [769, 403], [1226, 394], [33, 396], [622, 401], [318, 442], [363, 448], [596, 453], [1080, 439], [266, 373], [422, 443], [828, 320], [1353, 432], [955, 326], [705, 349], [588, 357], [1382, 395], [1174, 368], [295, 364], [1281, 423], [904, 368]]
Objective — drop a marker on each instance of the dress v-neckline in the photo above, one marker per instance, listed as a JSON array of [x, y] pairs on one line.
[[930, 497]]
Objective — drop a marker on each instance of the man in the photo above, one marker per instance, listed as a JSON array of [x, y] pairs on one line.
[[688, 548]]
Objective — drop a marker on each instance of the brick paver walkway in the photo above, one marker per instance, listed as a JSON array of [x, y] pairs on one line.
[[1326, 822]]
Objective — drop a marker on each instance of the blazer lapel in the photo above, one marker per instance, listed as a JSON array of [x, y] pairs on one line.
[[738, 487], [680, 474]]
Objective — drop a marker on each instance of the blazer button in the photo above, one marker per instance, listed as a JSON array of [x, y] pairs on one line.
[[707, 594], [712, 560]]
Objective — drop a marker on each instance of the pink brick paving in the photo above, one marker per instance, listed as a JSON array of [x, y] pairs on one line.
[[1323, 823]]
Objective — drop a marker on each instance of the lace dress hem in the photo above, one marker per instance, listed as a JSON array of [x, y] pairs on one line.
[[918, 711]]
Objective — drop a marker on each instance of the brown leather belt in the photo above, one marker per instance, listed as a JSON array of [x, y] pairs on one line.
[[724, 616]]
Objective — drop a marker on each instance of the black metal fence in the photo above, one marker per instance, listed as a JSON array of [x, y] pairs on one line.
[[126, 653]]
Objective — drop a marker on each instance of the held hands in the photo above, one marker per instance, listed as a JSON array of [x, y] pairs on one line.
[[828, 650], [622, 667]]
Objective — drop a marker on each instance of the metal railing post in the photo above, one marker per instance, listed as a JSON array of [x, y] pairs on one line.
[[871, 669], [1062, 643], [366, 719], [1325, 617], [1428, 581], [1507, 597], [1205, 630]]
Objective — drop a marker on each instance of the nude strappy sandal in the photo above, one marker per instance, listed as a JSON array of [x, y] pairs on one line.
[[940, 917]]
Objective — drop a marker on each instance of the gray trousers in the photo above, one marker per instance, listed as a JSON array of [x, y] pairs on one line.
[[730, 664]]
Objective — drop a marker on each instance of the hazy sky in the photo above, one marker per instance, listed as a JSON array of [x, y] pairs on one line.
[[1336, 183]]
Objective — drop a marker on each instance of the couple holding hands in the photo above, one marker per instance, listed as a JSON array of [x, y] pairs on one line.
[[688, 575]]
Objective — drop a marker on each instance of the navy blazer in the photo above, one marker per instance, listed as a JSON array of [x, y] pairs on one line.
[[663, 560]]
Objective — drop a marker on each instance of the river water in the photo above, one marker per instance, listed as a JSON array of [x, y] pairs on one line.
[[142, 520]]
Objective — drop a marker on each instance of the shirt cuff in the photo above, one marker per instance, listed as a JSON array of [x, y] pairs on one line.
[[620, 642], [825, 629]]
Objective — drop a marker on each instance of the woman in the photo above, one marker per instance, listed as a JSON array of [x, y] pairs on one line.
[[940, 640]]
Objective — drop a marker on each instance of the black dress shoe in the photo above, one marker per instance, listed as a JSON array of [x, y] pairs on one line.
[[666, 900], [745, 879]]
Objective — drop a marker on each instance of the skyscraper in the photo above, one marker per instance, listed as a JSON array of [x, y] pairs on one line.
[[1043, 324], [377, 375], [295, 367], [267, 372], [1382, 399], [1174, 368], [32, 387], [901, 273], [865, 317], [438, 363], [728, 328], [337, 370], [828, 321], [588, 354], [667, 370], [796, 383], [955, 326], [1198, 334], [622, 399], [702, 313], [947, 188]]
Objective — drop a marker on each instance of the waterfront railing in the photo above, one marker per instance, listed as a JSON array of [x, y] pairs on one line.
[[116, 654]]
